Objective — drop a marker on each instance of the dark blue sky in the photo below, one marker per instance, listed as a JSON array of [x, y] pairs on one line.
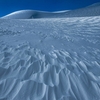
[[8, 6]]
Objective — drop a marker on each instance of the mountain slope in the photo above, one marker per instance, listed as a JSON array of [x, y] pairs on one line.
[[93, 10]]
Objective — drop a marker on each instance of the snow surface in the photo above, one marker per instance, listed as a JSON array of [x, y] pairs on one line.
[[50, 59], [93, 10]]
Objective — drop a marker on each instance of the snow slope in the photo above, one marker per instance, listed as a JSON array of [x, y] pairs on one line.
[[93, 10], [50, 58]]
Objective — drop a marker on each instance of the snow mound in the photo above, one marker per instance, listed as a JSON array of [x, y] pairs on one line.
[[28, 14], [50, 59], [93, 10]]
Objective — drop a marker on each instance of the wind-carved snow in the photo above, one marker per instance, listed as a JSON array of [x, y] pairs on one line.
[[50, 59]]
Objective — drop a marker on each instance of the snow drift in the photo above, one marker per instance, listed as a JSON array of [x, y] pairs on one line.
[[93, 10]]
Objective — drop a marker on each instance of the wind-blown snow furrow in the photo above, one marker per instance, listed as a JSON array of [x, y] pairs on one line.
[[49, 77], [58, 62]]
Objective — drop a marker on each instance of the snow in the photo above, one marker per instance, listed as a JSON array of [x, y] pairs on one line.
[[50, 58], [93, 10]]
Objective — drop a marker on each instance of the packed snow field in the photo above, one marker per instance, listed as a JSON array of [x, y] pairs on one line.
[[50, 58]]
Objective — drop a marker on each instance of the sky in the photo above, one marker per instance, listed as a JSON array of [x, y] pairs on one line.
[[8, 6]]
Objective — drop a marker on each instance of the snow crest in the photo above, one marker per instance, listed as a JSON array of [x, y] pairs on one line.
[[93, 10]]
